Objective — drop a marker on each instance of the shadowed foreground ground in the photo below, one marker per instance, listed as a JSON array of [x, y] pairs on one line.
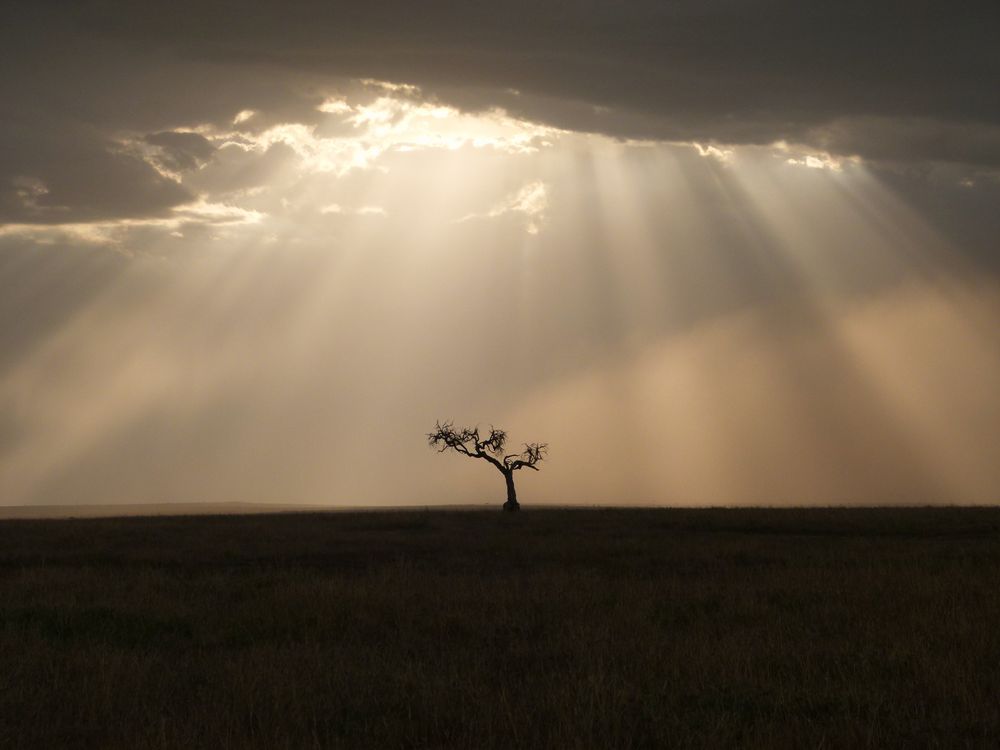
[[557, 628]]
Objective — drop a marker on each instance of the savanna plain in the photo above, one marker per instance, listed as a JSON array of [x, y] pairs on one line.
[[561, 628]]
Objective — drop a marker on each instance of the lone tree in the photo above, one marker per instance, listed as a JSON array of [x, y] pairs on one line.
[[468, 442]]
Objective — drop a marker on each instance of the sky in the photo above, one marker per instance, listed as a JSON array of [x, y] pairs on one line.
[[716, 252]]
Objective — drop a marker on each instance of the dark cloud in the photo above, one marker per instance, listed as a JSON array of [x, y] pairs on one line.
[[899, 139], [56, 177], [726, 70], [908, 84]]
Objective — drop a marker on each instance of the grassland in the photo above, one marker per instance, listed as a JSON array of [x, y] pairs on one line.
[[550, 628]]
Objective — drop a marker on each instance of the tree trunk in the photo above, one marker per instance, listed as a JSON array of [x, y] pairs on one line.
[[511, 504]]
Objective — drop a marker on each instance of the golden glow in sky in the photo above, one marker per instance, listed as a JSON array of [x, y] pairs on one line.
[[682, 323]]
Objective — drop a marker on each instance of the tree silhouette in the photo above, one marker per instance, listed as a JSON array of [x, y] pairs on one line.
[[468, 442]]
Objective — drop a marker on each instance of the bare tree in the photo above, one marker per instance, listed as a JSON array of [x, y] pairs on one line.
[[468, 442]]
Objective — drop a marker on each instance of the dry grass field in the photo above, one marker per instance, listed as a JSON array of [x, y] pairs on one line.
[[550, 628]]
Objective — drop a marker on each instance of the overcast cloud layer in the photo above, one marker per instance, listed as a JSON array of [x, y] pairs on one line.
[[910, 83]]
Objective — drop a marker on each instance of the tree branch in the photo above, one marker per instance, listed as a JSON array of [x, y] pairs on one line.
[[469, 442]]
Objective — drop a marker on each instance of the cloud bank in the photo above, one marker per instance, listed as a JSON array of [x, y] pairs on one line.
[[909, 83]]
